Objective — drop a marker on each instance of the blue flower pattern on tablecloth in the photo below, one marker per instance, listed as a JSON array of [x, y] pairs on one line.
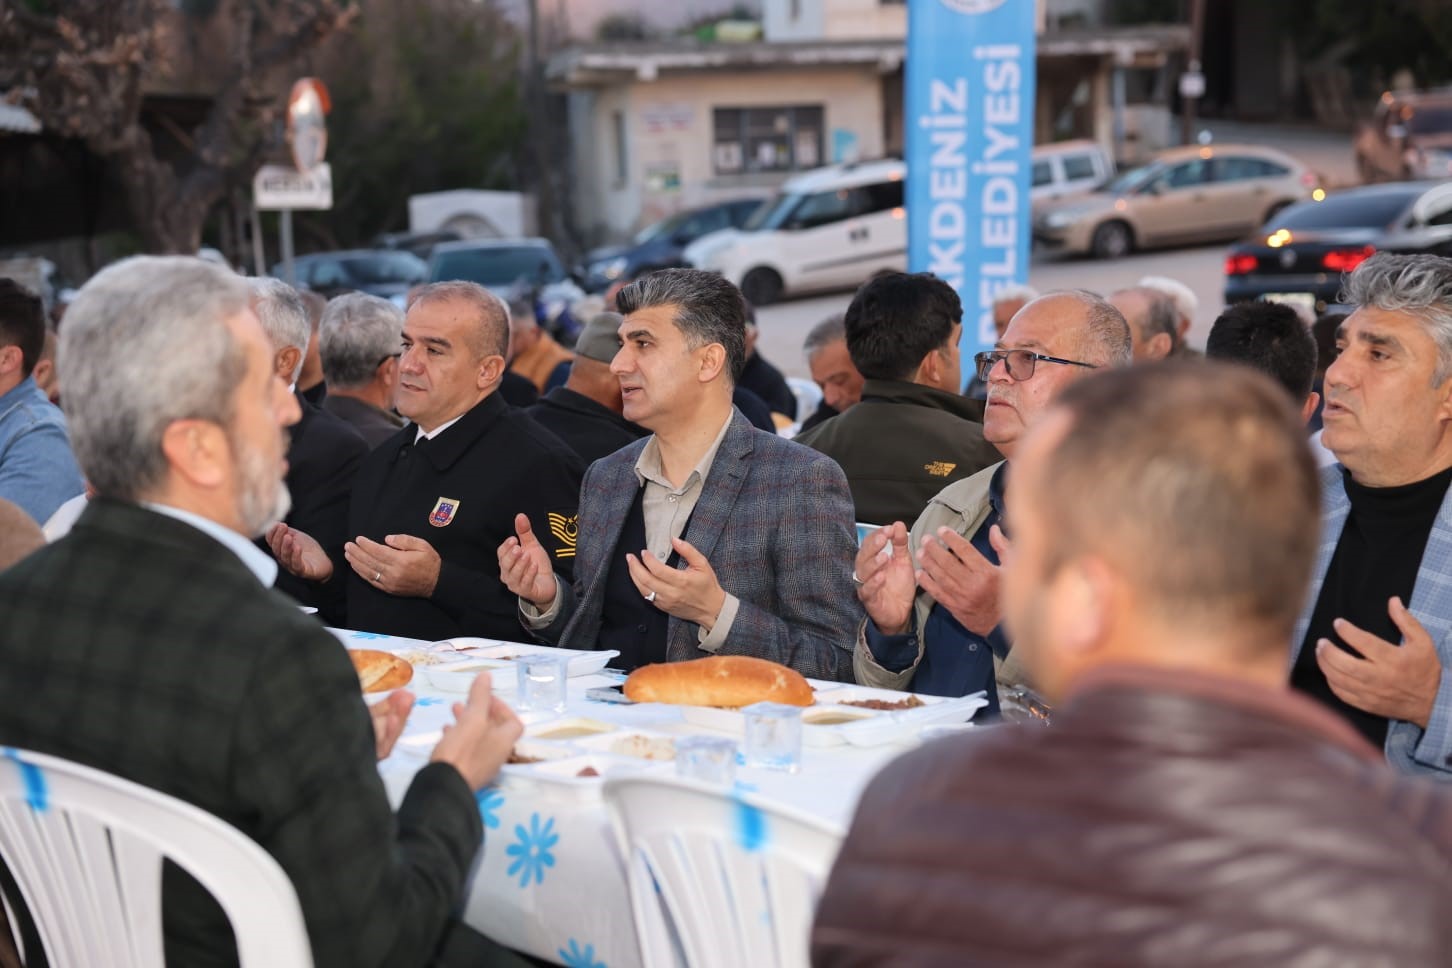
[[574, 957], [490, 801], [368, 635], [428, 701], [532, 850]]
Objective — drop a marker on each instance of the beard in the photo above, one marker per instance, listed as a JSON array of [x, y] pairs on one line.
[[262, 496]]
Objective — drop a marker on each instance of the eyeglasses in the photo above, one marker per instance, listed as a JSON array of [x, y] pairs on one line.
[[1020, 363]]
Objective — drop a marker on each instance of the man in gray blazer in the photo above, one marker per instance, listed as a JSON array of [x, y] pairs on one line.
[[710, 536]]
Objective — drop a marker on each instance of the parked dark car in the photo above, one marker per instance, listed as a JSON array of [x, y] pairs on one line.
[[504, 266], [1409, 136], [661, 245], [378, 272], [1300, 254], [420, 244]]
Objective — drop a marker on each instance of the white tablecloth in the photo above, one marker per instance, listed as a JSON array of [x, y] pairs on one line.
[[551, 880]]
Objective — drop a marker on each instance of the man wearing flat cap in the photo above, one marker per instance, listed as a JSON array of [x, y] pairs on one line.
[[586, 412]]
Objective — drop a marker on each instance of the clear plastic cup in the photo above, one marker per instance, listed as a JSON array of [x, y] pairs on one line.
[[543, 683], [773, 736], [710, 759]]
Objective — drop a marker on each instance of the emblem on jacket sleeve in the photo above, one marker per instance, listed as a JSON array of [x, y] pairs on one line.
[[566, 529], [444, 510], [939, 468]]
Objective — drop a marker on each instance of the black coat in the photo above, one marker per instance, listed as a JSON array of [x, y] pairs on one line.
[[592, 430], [766, 381], [322, 460], [374, 424], [493, 464]]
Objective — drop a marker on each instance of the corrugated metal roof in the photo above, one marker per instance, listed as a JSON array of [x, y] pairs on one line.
[[16, 119]]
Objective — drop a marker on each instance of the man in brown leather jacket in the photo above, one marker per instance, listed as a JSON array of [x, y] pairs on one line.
[[1184, 808]]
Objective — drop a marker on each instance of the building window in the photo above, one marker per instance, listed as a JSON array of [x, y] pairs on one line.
[[766, 139], [617, 123]]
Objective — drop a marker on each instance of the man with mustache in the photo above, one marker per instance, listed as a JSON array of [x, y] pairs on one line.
[[932, 597], [1374, 644]]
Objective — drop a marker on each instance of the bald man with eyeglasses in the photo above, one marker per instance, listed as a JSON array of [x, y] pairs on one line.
[[931, 594]]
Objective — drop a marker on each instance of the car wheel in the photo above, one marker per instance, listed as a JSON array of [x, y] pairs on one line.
[[761, 286], [1111, 240]]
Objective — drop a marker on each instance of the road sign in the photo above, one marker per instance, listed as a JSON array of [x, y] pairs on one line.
[[279, 188], [1192, 85]]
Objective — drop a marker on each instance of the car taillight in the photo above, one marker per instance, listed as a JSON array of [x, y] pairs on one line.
[[1344, 260], [1239, 265]]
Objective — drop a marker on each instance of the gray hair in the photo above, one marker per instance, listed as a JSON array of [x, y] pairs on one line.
[[146, 343], [490, 337], [1015, 292], [1160, 316], [1105, 341], [1419, 285], [824, 334], [709, 309], [1183, 297], [357, 332], [284, 317]]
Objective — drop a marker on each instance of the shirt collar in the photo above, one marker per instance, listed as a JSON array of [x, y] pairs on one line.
[[25, 388], [648, 466], [257, 562], [437, 430]]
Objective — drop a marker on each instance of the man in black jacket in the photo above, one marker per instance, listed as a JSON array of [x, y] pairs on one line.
[[586, 412], [146, 643], [323, 453], [911, 435], [433, 502], [361, 341]]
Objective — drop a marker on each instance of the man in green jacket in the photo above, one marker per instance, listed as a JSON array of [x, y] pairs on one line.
[[913, 432]]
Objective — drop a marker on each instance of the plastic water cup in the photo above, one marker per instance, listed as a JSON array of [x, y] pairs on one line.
[[710, 759], [542, 683], [773, 736]]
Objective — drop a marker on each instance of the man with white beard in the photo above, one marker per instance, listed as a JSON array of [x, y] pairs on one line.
[[147, 642]]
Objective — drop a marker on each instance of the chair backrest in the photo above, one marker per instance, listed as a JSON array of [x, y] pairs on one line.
[[808, 394], [86, 849], [719, 879]]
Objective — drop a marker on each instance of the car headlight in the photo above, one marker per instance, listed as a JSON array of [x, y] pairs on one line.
[[1058, 220], [610, 268]]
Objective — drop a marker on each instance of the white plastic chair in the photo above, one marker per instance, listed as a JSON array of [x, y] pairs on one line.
[[808, 394], [719, 880], [86, 849]]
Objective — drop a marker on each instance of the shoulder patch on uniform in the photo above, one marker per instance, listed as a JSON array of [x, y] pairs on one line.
[[939, 468], [566, 529]]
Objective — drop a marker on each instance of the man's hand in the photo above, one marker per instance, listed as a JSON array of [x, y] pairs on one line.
[[960, 579], [692, 593], [887, 583], [403, 565], [1395, 681], [524, 566], [482, 736], [299, 553], [389, 717]]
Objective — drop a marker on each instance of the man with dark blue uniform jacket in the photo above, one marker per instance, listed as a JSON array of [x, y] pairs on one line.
[[432, 503]]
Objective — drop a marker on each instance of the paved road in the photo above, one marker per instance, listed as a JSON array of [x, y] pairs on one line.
[[785, 325]]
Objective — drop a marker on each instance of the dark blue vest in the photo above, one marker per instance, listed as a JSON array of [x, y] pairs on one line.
[[628, 622]]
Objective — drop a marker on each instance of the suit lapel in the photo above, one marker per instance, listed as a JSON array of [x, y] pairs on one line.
[[1337, 507], [1431, 602]]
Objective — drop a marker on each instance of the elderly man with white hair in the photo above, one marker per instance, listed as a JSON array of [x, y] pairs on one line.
[[1186, 305], [324, 453], [360, 342]]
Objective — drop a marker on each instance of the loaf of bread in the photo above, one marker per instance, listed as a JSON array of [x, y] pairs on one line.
[[727, 681], [380, 671]]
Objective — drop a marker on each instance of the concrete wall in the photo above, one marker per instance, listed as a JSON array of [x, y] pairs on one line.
[[669, 136]]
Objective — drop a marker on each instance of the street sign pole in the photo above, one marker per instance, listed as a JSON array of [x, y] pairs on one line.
[[284, 233]]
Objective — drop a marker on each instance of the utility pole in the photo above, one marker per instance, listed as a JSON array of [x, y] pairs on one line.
[[1192, 82]]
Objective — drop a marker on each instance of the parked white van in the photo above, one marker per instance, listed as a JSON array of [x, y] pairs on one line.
[[827, 229], [832, 228]]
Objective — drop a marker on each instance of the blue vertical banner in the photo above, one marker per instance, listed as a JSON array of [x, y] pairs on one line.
[[970, 122]]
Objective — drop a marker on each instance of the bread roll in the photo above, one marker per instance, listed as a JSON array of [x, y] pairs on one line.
[[379, 671], [728, 681]]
